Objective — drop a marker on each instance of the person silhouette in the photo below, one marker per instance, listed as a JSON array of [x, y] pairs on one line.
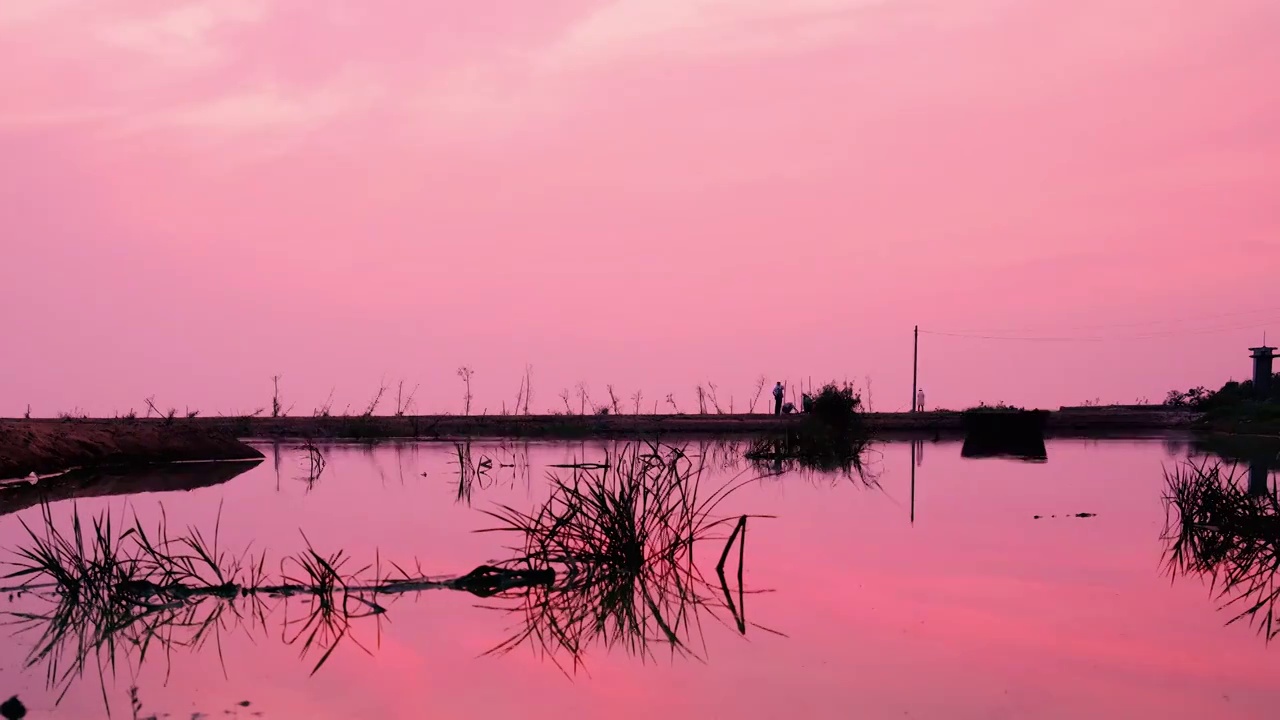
[[778, 392], [920, 400]]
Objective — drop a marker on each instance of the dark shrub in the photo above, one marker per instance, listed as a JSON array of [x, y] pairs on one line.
[[837, 407], [829, 438]]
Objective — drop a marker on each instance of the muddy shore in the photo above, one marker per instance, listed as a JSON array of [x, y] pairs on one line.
[[50, 446], [54, 446], [1085, 422], [46, 446], [1068, 421]]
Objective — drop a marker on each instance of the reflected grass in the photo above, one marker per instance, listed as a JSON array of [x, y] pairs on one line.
[[1219, 527], [486, 472], [831, 438], [608, 559], [813, 455], [620, 536], [102, 593]]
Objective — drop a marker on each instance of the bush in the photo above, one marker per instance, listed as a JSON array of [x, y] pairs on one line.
[[1230, 395], [830, 438], [836, 407], [1000, 405]]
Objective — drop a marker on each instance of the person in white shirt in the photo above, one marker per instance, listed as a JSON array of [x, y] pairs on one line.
[[920, 400]]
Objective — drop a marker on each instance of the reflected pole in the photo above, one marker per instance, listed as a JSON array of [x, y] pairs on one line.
[[913, 482]]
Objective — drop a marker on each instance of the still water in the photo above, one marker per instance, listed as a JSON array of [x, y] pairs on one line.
[[932, 592]]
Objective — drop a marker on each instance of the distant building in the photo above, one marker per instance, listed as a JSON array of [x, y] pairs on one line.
[[1262, 368]]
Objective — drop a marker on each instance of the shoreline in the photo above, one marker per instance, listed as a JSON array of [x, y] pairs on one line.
[[1072, 422], [51, 446]]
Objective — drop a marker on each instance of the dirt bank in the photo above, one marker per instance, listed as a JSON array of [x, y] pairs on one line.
[[1086, 422], [1079, 422], [48, 446], [101, 482], [51, 446]]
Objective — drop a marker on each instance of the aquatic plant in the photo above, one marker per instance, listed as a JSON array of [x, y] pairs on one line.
[[620, 537], [609, 558], [472, 471], [1220, 526], [314, 463], [103, 591]]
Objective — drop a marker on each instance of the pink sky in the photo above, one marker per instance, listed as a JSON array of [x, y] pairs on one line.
[[199, 194]]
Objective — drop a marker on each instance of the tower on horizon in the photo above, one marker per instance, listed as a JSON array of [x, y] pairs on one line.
[[1262, 368]]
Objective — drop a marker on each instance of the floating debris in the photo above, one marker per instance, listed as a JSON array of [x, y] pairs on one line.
[[13, 709]]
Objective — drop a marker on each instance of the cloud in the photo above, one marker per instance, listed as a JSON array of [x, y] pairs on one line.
[[88, 64], [267, 107], [182, 36], [208, 69], [16, 14], [677, 28], [70, 115]]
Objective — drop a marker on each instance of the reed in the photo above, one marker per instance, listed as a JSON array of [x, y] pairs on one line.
[[104, 590], [1219, 527], [620, 536]]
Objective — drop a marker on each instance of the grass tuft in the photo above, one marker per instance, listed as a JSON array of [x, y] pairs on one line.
[[619, 536], [1220, 526]]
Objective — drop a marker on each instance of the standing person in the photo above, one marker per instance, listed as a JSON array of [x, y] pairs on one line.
[[920, 400], [778, 392]]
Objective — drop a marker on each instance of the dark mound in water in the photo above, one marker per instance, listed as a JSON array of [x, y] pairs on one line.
[[53, 446], [1004, 432]]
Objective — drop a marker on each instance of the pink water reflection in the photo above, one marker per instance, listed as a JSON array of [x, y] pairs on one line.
[[975, 610]]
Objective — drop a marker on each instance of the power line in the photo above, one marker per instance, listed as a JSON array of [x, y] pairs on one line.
[[1106, 326], [1143, 336]]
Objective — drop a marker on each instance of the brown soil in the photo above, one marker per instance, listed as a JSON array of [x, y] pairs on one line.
[[52, 446]]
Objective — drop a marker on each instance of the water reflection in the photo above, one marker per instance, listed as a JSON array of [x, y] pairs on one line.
[[508, 464], [608, 559], [917, 460], [1224, 524], [619, 536], [950, 597], [106, 482], [99, 595], [996, 432]]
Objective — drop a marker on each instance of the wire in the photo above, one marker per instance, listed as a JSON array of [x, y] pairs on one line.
[[1145, 336], [1146, 323]]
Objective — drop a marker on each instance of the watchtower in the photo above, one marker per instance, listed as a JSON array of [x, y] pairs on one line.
[[1262, 368]]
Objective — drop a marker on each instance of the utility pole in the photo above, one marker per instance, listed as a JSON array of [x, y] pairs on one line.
[[915, 366]]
